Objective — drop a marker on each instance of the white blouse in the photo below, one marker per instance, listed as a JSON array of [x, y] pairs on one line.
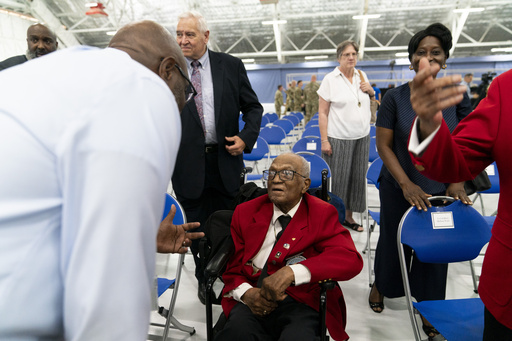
[[347, 119]]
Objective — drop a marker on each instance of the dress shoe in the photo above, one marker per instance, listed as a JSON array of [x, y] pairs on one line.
[[201, 292]]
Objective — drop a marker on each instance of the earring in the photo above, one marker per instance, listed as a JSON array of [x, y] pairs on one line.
[[443, 67], [411, 67]]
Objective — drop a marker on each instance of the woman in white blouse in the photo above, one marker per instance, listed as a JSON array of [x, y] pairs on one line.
[[344, 120]]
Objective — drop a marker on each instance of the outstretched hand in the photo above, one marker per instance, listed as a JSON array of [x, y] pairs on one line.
[[430, 95], [175, 238]]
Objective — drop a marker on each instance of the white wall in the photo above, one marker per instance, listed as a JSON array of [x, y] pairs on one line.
[[13, 35]]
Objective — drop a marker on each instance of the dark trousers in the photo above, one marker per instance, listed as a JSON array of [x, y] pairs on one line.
[[213, 198], [428, 281], [494, 330], [290, 321]]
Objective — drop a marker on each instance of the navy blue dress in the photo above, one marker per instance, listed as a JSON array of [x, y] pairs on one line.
[[428, 281]]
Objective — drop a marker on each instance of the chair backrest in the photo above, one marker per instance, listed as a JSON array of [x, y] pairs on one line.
[[259, 150], [494, 177], [312, 122], [264, 121], [373, 172], [313, 130], [180, 217], [374, 154], [273, 134], [308, 144], [241, 125], [316, 165], [292, 118], [298, 114], [444, 234], [373, 130], [271, 116], [285, 124]]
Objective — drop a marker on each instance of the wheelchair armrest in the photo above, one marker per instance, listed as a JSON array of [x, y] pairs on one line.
[[220, 259], [327, 285]]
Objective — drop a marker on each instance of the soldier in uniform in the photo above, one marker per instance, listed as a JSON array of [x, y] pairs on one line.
[[298, 98], [311, 98], [278, 99], [290, 93]]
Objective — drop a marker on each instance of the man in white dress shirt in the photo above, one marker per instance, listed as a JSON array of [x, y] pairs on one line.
[[88, 147]]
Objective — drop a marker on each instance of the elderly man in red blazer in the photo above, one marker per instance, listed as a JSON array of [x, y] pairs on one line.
[[312, 247], [482, 137]]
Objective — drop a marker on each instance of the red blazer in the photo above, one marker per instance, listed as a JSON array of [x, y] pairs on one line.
[[315, 232], [482, 137]]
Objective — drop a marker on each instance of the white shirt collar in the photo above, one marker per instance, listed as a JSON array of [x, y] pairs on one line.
[[291, 213]]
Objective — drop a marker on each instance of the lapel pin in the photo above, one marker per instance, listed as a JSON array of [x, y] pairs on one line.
[[286, 246], [293, 238], [278, 254]]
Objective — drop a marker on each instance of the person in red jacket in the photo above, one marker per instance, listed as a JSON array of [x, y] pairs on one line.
[[481, 138], [295, 256]]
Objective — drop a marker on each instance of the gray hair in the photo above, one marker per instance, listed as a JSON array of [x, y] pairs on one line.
[[201, 21], [304, 167], [343, 45]]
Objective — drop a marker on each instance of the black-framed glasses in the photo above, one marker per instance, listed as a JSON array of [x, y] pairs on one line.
[[190, 91], [284, 174]]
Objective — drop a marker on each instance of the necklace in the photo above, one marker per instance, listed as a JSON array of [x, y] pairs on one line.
[[356, 94]]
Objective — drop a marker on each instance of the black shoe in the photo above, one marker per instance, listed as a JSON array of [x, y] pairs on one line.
[[201, 292]]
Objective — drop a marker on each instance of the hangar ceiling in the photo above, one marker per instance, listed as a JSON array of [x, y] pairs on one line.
[[295, 29]]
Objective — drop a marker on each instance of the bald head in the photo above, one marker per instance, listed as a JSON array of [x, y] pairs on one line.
[[154, 47], [40, 41]]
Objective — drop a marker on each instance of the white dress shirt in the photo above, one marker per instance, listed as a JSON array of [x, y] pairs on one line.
[[347, 120], [88, 141], [207, 87], [301, 273]]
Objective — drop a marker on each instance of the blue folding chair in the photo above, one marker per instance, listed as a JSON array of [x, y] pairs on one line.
[[272, 116], [374, 154], [308, 144], [313, 130], [444, 234], [312, 122], [316, 166], [494, 177], [372, 178], [275, 137], [164, 283], [264, 121], [373, 130], [260, 151]]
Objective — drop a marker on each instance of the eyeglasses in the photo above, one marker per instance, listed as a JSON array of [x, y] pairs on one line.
[[284, 175], [190, 91]]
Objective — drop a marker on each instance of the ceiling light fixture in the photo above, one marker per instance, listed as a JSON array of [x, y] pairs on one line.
[[501, 49], [315, 57], [96, 11], [402, 54], [468, 10], [111, 33], [272, 22], [366, 16], [248, 60]]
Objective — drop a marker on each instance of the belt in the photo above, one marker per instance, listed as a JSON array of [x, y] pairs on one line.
[[211, 148]]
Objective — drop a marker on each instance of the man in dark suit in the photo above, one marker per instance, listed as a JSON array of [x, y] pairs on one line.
[[40, 41], [296, 254], [207, 173]]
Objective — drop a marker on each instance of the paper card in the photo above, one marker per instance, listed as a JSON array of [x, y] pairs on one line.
[[255, 145], [442, 220], [490, 170], [311, 146]]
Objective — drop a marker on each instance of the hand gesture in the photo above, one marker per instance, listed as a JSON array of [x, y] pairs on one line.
[[429, 96], [274, 286], [415, 196], [237, 147], [257, 303], [175, 238]]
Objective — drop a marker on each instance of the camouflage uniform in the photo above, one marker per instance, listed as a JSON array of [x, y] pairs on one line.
[[298, 99], [311, 99], [278, 101], [289, 98]]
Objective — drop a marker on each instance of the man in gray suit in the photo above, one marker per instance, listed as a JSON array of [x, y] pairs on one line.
[[207, 173]]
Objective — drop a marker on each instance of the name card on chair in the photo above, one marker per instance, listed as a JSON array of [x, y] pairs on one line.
[[311, 146], [490, 170], [442, 220]]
